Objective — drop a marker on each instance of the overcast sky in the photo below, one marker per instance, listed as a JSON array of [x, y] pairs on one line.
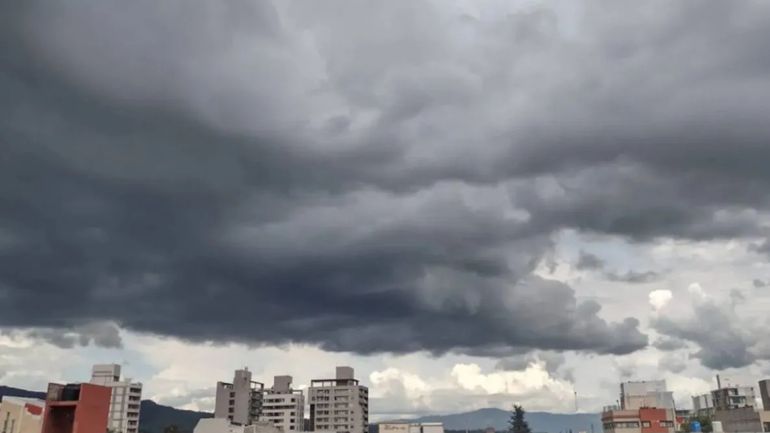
[[473, 203]]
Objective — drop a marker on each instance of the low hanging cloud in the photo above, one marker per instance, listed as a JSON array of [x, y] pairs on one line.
[[724, 338], [591, 262], [390, 192]]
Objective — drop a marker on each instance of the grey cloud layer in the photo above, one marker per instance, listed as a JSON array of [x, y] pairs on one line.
[[393, 191]]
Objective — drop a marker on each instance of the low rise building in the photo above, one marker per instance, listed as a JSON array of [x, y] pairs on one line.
[[645, 407], [739, 420], [76, 408], [222, 425], [642, 420], [21, 415], [424, 427]]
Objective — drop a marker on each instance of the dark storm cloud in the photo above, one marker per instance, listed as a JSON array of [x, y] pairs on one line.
[[724, 338], [587, 260], [633, 276], [552, 361], [256, 174], [669, 344]]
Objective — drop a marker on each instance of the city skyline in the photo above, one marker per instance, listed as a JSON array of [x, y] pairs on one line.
[[473, 203]]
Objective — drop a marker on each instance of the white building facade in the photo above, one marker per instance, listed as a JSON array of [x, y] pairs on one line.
[[645, 393], [340, 404], [126, 399], [283, 406]]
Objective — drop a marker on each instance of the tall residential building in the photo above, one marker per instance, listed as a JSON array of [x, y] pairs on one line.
[[646, 393], [125, 401], [21, 415], [76, 408], [284, 406], [339, 404], [764, 392], [241, 400]]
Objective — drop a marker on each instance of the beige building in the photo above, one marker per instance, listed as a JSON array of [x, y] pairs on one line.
[[284, 406], [239, 402], [340, 404], [126, 399], [21, 415]]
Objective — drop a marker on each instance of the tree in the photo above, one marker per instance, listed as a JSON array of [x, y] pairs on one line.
[[517, 423], [705, 424]]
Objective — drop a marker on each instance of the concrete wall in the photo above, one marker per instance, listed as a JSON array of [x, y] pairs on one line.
[[764, 393], [21, 415], [739, 420]]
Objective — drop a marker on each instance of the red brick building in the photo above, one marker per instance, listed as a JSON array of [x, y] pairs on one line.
[[76, 408], [642, 420]]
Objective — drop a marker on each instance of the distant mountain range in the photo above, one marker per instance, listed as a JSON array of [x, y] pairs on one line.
[[156, 417], [498, 418]]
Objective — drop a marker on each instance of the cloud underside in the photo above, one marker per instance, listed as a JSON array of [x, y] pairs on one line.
[[255, 174]]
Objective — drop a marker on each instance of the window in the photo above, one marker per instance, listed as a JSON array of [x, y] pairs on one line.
[[646, 424], [665, 423]]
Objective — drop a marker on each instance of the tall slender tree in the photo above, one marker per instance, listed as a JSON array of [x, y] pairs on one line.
[[517, 423]]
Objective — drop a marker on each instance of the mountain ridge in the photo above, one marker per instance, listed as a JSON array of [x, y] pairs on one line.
[[498, 419]]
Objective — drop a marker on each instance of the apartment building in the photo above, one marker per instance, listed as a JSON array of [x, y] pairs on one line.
[[21, 415], [284, 406], [240, 401], [733, 397], [125, 401], [340, 404]]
